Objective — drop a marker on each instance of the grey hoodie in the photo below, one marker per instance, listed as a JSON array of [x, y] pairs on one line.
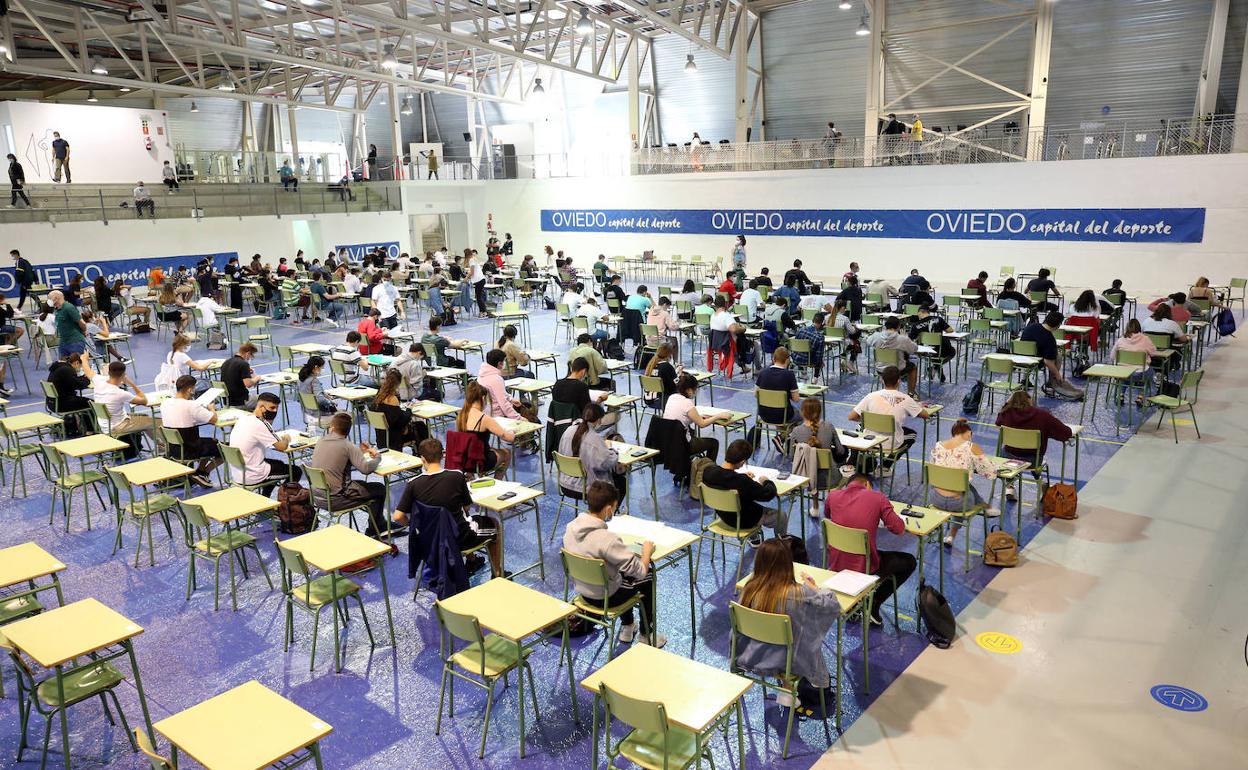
[[588, 536]]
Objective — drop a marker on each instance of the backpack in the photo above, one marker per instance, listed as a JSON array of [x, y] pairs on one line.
[[1000, 549], [614, 350], [1061, 501], [797, 547], [936, 615], [167, 375], [1226, 322], [139, 327], [696, 467], [294, 509], [216, 340], [970, 402]]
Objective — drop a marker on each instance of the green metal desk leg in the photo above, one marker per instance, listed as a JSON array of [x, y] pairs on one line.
[[385, 595], [566, 649], [138, 685], [693, 623]]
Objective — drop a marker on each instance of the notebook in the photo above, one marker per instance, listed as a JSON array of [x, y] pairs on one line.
[[209, 396], [849, 582]]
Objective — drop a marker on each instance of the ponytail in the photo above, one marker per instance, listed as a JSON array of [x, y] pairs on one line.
[[593, 413]]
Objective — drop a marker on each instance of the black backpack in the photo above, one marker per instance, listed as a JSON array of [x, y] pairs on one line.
[[970, 402], [936, 615], [614, 349]]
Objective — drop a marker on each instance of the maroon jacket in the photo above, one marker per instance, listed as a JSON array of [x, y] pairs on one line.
[[980, 289], [857, 507], [1034, 418]]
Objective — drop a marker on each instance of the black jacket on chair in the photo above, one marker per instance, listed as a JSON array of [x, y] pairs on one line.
[[433, 540], [672, 441], [630, 326]]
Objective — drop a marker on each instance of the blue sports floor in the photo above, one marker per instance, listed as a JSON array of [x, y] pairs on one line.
[[383, 705]]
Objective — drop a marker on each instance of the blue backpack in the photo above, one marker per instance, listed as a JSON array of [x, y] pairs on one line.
[[770, 338], [1225, 322]]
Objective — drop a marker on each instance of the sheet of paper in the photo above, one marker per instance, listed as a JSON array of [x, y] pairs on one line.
[[209, 396], [493, 490], [654, 531], [849, 582]]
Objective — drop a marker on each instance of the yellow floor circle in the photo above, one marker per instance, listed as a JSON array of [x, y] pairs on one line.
[[995, 641]]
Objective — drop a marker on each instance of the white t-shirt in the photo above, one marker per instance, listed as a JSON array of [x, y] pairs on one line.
[[893, 402], [141, 194], [1164, 326], [184, 413], [384, 297], [114, 399], [252, 436], [593, 313], [181, 361], [477, 275], [167, 172], [720, 322], [572, 300], [678, 406], [352, 283], [751, 298]]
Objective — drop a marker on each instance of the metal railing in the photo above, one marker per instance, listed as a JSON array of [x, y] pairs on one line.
[[238, 167], [108, 203]]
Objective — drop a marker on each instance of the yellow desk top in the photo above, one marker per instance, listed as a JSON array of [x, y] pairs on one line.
[[1110, 371], [30, 421], [27, 561], [487, 496], [230, 415], [232, 503], [820, 575], [60, 635], [811, 389], [862, 442], [509, 609], [311, 347], [279, 378], [519, 427], [667, 540], [335, 547], [427, 410], [351, 393], [626, 458], [152, 470], [393, 462], [932, 518], [722, 416], [262, 727], [87, 446], [693, 693], [528, 385]]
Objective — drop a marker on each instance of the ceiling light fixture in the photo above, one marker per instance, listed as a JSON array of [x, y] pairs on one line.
[[845, 5], [226, 86], [91, 97], [126, 89], [864, 27], [194, 107], [691, 67], [584, 25], [97, 66], [388, 61]]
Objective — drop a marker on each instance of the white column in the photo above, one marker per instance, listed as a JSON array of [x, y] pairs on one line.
[[634, 92], [1241, 104], [424, 119], [741, 58], [875, 81], [1041, 47], [396, 129], [293, 122], [1211, 62]]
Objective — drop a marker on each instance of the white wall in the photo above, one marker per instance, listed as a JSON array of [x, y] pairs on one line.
[[106, 144], [1218, 183]]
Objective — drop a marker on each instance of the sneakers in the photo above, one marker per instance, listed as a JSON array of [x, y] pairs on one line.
[[778, 444], [992, 513], [1011, 497], [886, 471], [875, 620], [627, 632], [6, 392], [332, 323], [755, 540], [815, 512], [659, 641], [786, 700], [948, 541], [201, 480]]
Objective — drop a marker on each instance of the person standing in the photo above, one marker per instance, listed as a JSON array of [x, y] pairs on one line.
[[17, 180], [372, 162], [169, 176], [69, 325], [23, 275], [916, 139], [385, 300], [60, 158], [738, 255], [431, 158]]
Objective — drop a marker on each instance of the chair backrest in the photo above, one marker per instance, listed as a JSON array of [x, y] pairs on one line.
[[649, 330], [951, 300], [466, 628], [292, 560], [875, 297], [233, 457], [999, 366], [102, 418], [982, 325], [172, 438], [120, 482], [766, 627], [510, 306], [570, 466], [946, 478], [257, 323], [877, 422], [317, 480], [1023, 348], [431, 352], [1189, 384], [563, 310], [1006, 271], [1020, 438], [721, 500], [376, 419], [1131, 357], [931, 339], [1038, 296], [845, 539], [800, 345], [54, 458], [1161, 341], [808, 313], [994, 314], [640, 714], [145, 745], [771, 399], [651, 383], [583, 569], [308, 402]]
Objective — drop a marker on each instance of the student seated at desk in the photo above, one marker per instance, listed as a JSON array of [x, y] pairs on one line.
[[614, 291], [473, 418], [779, 377], [490, 377], [516, 357], [370, 334], [402, 428], [814, 431], [931, 321], [589, 310], [750, 490], [437, 301], [752, 298], [812, 611], [411, 366], [97, 325], [1087, 312], [858, 505], [1043, 283], [979, 285], [67, 378], [660, 365], [182, 414], [1041, 333], [252, 434], [238, 378], [170, 307], [310, 384], [441, 344], [1201, 290], [1019, 412], [599, 461], [122, 424], [1134, 339], [597, 365], [662, 317], [628, 574], [1162, 322], [891, 401], [180, 359], [890, 337], [688, 293], [335, 455], [960, 451], [680, 407], [1115, 291]]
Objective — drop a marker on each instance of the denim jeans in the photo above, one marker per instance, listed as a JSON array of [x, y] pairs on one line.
[[72, 347]]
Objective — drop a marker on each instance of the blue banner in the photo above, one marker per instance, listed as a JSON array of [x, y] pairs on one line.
[[356, 251], [131, 271], [1095, 225]]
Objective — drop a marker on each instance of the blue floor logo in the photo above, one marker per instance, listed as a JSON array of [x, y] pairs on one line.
[[1179, 698]]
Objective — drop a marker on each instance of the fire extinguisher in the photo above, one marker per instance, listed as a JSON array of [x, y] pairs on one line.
[[147, 143]]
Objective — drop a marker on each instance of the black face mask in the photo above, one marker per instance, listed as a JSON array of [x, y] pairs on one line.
[[270, 416]]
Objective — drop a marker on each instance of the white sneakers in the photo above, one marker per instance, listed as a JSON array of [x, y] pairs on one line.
[[629, 632], [786, 700], [992, 513]]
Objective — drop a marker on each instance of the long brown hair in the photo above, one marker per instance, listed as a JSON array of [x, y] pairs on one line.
[[592, 414], [1019, 399], [474, 394], [663, 353], [773, 583], [389, 387]]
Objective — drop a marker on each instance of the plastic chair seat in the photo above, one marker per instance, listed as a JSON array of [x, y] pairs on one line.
[[152, 505], [724, 529], [594, 606], [79, 685], [21, 450], [224, 542], [325, 590], [1003, 385], [18, 608], [1168, 402], [499, 654], [79, 479], [647, 749]]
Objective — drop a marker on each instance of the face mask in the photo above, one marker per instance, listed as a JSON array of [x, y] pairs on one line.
[[270, 416]]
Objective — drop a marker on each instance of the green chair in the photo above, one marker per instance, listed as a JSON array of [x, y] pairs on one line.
[[78, 683], [313, 595], [322, 499], [721, 501], [338, 372], [49, 392], [156, 761], [1240, 284], [580, 325], [651, 383], [856, 542], [490, 658], [1024, 348], [982, 335], [65, 483], [15, 451], [202, 544], [809, 313], [654, 743], [993, 369], [258, 331], [935, 363], [597, 611], [286, 359], [11, 609], [569, 466], [771, 399], [234, 461], [886, 424], [955, 480], [802, 350], [775, 629], [175, 449], [1030, 440], [884, 357], [377, 421], [563, 320], [1189, 391], [140, 511]]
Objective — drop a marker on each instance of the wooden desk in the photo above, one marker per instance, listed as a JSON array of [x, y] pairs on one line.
[[725, 418], [400, 465], [229, 505], [26, 563], [153, 471], [486, 495], [523, 429], [671, 544], [695, 696], [636, 458], [86, 627], [247, 728], [30, 421], [331, 548]]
